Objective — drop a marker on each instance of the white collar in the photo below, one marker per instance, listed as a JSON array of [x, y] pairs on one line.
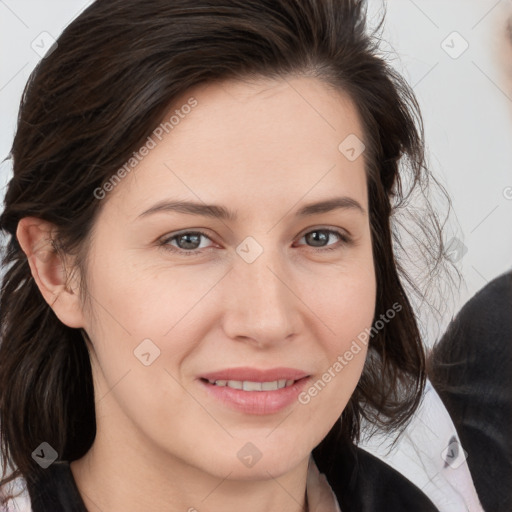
[[319, 495], [430, 455]]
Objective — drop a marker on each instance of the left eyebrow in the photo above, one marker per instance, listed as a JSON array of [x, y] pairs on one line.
[[221, 212], [336, 203]]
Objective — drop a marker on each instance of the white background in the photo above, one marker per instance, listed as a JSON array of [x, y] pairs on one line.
[[466, 101]]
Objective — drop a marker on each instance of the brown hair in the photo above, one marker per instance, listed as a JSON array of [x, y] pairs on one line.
[[95, 99]]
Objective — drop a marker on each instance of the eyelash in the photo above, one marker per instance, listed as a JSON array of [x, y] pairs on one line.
[[164, 243]]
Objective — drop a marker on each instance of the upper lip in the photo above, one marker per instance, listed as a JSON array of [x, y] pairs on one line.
[[255, 374]]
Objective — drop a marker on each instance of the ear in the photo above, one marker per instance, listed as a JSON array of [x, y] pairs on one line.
[[50, 270]]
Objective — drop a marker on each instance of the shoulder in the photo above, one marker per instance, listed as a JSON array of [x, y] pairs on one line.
[[471, 365], [484, 323], [471, 369]]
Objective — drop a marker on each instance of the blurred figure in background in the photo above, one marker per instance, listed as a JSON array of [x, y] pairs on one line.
[[471, 369]]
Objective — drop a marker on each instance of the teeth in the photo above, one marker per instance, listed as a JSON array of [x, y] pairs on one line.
[[270, 386], [251, 386], [247, 385]]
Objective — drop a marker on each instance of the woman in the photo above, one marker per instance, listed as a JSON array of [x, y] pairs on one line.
[[201, 300]]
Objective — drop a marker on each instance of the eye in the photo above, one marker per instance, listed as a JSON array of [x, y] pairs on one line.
[[319, 239], [187, 242]]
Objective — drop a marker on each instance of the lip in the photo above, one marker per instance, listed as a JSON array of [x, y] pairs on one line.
[[255, 402], [255, 374]]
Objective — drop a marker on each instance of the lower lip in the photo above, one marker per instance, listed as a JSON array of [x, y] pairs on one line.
[[256, 402]]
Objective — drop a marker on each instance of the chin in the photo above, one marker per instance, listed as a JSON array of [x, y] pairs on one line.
[[260, 461]]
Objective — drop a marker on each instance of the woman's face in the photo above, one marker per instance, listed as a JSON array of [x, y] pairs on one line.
[[271, 284]]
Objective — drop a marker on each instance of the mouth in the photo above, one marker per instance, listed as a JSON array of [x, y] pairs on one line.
[[253, 391], [280, 375], [247, 385]]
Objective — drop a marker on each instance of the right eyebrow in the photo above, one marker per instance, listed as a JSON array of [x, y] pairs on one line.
[[192, 208]]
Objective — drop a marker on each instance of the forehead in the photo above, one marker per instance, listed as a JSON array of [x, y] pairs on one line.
[[272, 110], [259, 140]]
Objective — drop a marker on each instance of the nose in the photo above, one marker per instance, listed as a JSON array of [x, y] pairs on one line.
[[262, 306]]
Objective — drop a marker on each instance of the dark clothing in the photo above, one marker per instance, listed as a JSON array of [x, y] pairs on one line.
[[363, 483], [471, 370]]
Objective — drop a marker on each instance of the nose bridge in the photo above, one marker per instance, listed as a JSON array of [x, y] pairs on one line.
[[262, 284], [263, 306]]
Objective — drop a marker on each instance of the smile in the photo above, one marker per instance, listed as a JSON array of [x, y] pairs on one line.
[[248, 385]]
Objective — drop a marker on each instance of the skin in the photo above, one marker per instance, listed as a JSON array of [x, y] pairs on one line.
[[162, 443]]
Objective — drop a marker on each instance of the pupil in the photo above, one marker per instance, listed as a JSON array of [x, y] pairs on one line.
[[316, 236], [188, 238]]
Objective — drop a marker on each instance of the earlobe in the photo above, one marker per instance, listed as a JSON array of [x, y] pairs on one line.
[[36, 238]]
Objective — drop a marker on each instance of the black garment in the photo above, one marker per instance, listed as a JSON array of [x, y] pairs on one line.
[[471, 370], [361, 482]]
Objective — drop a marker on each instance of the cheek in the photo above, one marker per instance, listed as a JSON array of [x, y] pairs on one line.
[[352, 317], [345, 303], [141, 315], [147, 300], [346, 309], [326, 397]]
